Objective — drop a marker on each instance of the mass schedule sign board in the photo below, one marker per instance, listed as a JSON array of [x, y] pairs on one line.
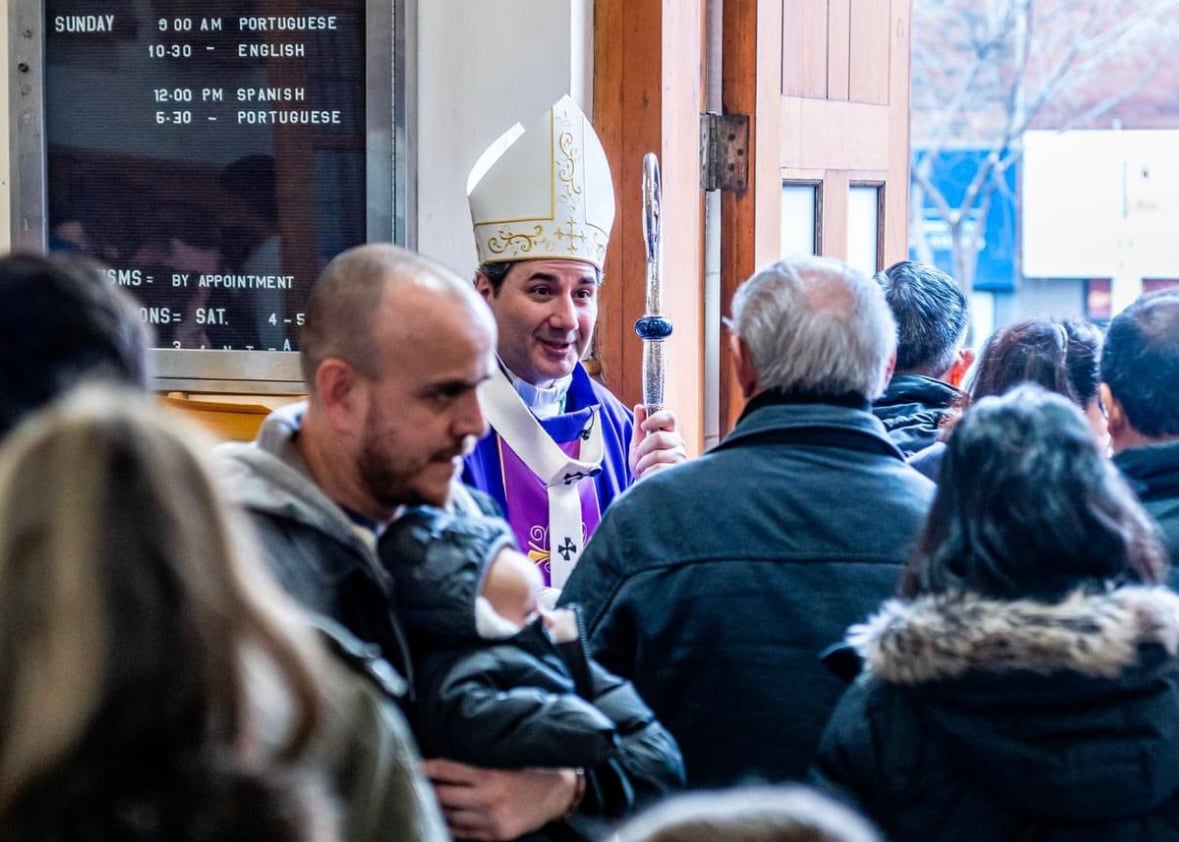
[[214, 155]]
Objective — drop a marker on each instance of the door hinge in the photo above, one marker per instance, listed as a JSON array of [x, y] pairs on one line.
[[724, 151]]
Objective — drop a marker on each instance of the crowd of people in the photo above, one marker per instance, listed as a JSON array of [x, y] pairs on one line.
[[461, 591]]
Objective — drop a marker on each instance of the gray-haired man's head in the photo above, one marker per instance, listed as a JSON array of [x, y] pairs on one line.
[[813, 327]]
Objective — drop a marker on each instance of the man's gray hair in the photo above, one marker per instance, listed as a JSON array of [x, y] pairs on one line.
[[815, 325]]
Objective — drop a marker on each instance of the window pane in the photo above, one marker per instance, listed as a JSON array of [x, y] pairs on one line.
[[798, 219], [863, 227]]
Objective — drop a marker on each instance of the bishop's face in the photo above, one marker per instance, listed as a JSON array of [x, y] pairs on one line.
[[545, 311]]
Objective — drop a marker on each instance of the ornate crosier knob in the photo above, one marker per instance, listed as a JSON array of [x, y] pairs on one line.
[[653, 328]]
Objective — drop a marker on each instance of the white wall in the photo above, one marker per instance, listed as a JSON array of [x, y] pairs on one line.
[[482, 67]]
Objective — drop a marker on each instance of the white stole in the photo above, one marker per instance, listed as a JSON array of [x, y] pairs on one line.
[[561, 474]]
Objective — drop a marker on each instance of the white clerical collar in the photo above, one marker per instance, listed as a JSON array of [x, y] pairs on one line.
[[544, 401]]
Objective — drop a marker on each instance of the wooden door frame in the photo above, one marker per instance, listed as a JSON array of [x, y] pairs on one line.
[[647, 98], [749, 218]]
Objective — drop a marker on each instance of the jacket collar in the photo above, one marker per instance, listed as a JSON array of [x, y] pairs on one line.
[[279, 430], [777, 397], [1153, 470], [765, 414], [945, 636], [929, 392]]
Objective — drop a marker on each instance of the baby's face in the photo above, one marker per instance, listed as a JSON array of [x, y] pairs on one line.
[[512, 586]]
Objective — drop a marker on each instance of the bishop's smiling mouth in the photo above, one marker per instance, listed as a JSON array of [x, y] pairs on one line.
[[560, 347]]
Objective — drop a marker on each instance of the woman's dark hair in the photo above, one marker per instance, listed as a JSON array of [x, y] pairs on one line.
[[1060, 356], [1027, 506], [1084, 359], [63, 322]]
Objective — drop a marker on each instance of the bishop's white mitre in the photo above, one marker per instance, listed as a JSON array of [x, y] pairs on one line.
[[544, 192]]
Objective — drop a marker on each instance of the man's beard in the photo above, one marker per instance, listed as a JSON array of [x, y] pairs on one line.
[[392, 486], [384, 483]]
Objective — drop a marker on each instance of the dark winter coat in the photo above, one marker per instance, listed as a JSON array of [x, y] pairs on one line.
[[928, 462], [523, 700], [1153, 473], [912, 409], [987, 721], [715, 585]]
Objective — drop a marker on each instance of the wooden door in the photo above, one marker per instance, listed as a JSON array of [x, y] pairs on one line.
[[826, 83], [647, 82]]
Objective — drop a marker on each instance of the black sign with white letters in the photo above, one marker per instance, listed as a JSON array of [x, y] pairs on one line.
[[211, 153]]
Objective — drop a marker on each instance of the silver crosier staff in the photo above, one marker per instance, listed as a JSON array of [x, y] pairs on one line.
[[653, 328]]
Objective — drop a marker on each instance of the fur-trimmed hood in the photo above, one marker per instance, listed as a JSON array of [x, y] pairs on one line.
[[1067, 710], [947, 636]]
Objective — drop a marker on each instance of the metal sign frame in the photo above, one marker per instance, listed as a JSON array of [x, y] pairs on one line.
[[388, 34]]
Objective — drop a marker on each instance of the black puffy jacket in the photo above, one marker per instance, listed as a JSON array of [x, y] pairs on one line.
[[986, 721], [517, 701], [912, 409]]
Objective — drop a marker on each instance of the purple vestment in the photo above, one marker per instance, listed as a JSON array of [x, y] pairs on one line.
[[495, 469]]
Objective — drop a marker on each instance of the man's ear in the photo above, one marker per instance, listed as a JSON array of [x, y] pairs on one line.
[[483, 287], [892, 367], [1115, 414], [339, 390], [963, 360], [743, 366]]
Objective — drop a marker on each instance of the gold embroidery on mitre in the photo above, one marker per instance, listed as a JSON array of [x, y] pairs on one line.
[[518, 242], [571, 232], [564, 207], [567, 170], [563, 238]]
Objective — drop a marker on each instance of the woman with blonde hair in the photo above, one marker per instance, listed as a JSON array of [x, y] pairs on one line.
[[154, 684]]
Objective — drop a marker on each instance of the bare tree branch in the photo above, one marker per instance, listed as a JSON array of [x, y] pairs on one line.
[[990, 69], [1117, 97]]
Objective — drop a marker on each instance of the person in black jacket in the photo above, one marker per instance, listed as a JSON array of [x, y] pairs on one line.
[[932, 316], [1025, 685], [715, 585], [502, 683], [1140, 370]]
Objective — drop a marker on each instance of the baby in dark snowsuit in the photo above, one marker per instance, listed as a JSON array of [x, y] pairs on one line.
[[500, 683]]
